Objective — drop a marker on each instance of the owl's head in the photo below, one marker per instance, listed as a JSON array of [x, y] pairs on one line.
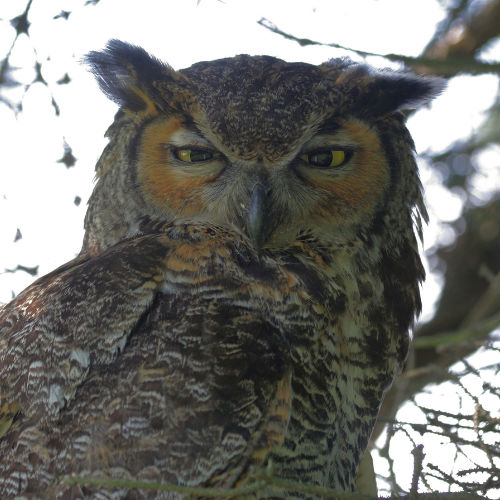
[[279, 152]]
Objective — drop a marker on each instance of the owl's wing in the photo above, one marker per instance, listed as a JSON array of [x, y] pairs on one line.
[[149, 361], [79, 315]]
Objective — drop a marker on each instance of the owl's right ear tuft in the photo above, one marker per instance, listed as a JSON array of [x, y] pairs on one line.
[[126, 73]]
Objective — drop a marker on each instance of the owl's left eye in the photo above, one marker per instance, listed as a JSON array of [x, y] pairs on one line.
[[189, 155], [327, 158]]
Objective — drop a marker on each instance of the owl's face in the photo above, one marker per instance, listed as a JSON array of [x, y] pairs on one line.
[[280, 152], [329, 181]]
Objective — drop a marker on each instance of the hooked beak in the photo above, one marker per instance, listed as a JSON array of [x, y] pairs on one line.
[[257, 219]]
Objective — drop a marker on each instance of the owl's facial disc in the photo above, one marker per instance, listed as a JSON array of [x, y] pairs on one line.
[[332, 181]]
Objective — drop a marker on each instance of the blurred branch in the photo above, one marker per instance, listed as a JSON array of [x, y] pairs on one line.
[[454, 12], [466, 34], [449, 66], [480, 330], [469, 309], [256, 486], [471, 292]]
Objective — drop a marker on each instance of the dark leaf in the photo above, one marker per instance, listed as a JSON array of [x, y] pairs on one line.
[[64, 14], [67, 158], [64, 80]]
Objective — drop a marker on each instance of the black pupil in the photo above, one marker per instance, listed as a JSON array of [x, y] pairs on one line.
[[200, 155], [321, 159]]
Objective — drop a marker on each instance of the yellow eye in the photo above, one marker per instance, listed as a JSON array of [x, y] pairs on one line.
[[194, 155], [326, 158]]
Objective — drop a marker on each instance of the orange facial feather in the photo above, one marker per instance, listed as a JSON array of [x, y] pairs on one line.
[[361, 188], [167, 186]]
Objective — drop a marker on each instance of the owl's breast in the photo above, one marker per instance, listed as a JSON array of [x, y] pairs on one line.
[[202, 358]]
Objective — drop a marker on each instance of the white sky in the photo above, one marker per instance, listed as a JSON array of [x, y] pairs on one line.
[[36, 193]]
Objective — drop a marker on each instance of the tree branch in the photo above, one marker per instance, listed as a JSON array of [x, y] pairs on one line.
[[447, 67], [467, 36], [271, 482]]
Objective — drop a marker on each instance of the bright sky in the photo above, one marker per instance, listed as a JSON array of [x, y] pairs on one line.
[[37, 194]]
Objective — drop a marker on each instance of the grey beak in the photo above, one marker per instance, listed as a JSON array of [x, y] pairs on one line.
[[257, 215]]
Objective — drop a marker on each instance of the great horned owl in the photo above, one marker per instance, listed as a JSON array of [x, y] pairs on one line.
[[245, 288]]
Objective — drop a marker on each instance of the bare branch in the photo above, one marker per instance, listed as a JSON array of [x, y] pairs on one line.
[[447, 67]]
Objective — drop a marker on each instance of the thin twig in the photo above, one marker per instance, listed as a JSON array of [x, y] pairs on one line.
[[418, 459]]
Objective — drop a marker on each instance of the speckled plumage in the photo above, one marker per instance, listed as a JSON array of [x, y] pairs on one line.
[[224, 313]]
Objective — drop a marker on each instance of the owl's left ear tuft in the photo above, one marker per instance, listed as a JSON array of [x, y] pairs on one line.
[[126, 73], [393, 91], [382, 92]]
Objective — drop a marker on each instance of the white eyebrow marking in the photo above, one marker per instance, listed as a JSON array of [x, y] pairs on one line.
[[339, 138], [185, 137]]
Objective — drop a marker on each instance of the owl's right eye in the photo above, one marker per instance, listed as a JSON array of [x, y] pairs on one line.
[[189, 155]]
